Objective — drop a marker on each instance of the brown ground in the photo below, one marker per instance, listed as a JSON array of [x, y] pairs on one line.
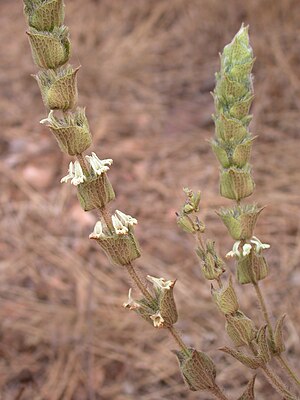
[[147, 72]]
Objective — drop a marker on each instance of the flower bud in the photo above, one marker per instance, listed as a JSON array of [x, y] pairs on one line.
[[226, 299], [240, 329], [197, 368], [95, 192], [44, 15], [228, 87], [240, 109], [232, 155], [241, 153], [212, 265], [71, 132], [236, 183], [120, 249], [241, 220], [59, 88], [186, 223], [50, 50], [252, 268], [229, 129]]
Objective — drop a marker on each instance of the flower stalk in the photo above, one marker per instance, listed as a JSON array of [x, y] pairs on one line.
[[51, 48]]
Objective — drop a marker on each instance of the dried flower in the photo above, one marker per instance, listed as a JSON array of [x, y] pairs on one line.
[[157, 319], [131, 304]]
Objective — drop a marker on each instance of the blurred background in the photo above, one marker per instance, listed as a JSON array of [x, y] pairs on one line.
[[147, 72]]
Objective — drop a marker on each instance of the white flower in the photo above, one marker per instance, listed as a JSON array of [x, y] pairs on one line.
[[118, 226], [98, 231], [259, 245], [235, 250], [160, 283], [246, 249], [99, 166], [79, 176], [70, 174], [131, 304], [47, 121], [157, 319], [126, 220]]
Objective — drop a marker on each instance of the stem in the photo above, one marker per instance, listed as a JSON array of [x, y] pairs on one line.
[[277, 383], [178, 340], [107, 218], [136, 279], [217, 392], [285, 365], [83, 164], [264, 309]]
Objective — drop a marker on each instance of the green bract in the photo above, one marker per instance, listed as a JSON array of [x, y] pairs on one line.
[[44, 15]]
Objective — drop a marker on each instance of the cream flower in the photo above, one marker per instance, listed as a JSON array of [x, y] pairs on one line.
[[47, 121], [157, 319], [118, 226], [246, 249], [98, 231], [235, 250], [126, 220], [70, 174], [99, 166], [131, 304], [259, 245], [160, 283], [79, 176]]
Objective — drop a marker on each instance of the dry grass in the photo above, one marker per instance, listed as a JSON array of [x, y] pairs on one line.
[[148, 68]]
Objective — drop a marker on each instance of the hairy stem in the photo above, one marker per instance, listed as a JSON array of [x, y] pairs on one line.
[[264, 309], [285, 365], [178, 340], [217, 392], [136, 279], [83, 164], [277, 383], [105, 214]]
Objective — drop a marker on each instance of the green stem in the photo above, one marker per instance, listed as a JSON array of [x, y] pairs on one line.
[[277, 383], [285, 365], [178, 340]]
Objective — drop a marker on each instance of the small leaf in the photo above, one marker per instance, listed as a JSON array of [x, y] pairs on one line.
[[249, 392], [278, 335], [248, 361]]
